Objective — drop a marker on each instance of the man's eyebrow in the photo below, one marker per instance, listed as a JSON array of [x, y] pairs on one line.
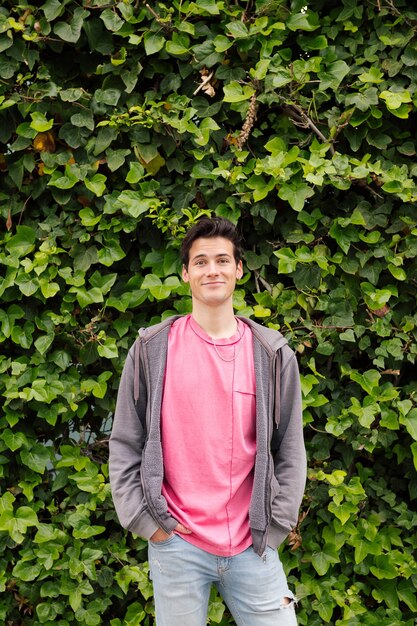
[[203, 255]]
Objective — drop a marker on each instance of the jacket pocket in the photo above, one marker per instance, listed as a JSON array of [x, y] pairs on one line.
[[260, 507], [152, 477], [275, 488]]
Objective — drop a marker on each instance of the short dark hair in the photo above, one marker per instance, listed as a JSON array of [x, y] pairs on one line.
[[211, 227]]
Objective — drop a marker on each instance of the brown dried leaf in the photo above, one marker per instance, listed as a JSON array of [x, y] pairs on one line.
[[207, 84], [9, 222], [382, 312], [44, 142]]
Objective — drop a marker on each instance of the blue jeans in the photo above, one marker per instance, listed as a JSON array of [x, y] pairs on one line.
[[254, 588]]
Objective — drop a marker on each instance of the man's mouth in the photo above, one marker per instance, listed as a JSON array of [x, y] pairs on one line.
[[216, 282]]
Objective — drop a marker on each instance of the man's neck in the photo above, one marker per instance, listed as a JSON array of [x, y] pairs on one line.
[[218, 323]]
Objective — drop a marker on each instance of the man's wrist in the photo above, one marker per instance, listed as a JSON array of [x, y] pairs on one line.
[[160, 535]]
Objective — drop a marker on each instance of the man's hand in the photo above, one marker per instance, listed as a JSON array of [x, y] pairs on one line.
[[182, 529], [161, 535]]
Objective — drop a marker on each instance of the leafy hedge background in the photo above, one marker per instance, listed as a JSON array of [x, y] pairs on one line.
[[121, 123]]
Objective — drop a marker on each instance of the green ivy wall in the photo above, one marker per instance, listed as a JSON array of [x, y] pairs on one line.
[[120, 124]]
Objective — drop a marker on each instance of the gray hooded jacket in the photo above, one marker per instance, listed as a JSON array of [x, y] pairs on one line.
[[136, 463]]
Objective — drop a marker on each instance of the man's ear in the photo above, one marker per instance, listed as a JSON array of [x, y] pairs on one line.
[[184, 274], [239, 270]]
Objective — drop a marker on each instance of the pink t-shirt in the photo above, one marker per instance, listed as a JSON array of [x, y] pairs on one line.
[[209, 436]]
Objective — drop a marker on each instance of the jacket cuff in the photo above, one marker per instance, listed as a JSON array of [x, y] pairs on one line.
[[144, 526], [276, 536]]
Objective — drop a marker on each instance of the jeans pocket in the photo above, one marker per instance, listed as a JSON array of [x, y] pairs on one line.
[[164, 542]]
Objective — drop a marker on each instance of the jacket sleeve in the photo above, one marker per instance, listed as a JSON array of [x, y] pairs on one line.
[[125, 453], [290, 458]]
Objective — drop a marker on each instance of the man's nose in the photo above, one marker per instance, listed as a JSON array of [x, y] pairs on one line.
[[212, 267]]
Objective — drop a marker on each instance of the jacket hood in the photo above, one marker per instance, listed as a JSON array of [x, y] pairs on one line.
[[271, 339]]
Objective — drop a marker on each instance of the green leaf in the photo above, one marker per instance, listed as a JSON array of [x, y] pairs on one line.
[[103, 282], [53, 9], [71, 32], [369, 381], [36, 458], [295, 194], [255, 261], [134, 615], [398, 272], [235, 92], [394, 99], [83, 119], [157, 289], [135, 174], [384, 567], [413, 448], [260, 186], [407, 594], [108, 96], [373, 75], [366, 414], [216, 611], [108, 349], [17, 524], [49, 289], [307, 20], [13, 440], [410, 422], [105, 137], [111, 20], [222, 43], [40, 123], [238, 30], [333, 74], [27, 571], [46, 612], [72, 457], [88, 218], [211, 7], [324, 558], [112, 253], [345, 235], [363, 548], [363, 99], [6, 502], [281, 77], [153, 42], [97, 184], [72, 94], [402, 112], [287, 261], [261, 311], [324, 608], [22, 243], [43, 343], [63, 181], [178, 45], [313, 43], [277, 145], [133, 203], [375, 298], [116, 158], [86, 297]]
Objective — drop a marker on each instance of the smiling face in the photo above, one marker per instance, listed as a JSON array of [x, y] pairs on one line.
[[212, 271]]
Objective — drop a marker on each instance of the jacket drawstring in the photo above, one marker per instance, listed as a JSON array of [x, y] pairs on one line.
[[136, 372], [277, 407]]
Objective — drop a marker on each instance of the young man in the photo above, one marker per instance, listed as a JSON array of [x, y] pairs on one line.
[[207, 458]]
